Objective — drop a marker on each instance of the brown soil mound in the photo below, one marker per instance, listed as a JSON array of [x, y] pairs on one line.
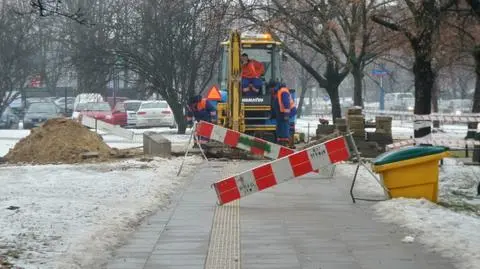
[[60, 141]]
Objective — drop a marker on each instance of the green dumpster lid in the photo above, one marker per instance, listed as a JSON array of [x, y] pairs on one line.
[[407, 153]]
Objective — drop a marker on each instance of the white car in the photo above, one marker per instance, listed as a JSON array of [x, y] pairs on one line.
[[131, 107], [155, 114], [401, 101]]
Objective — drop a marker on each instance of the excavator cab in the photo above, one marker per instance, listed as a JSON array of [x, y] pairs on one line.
[[254, 113]]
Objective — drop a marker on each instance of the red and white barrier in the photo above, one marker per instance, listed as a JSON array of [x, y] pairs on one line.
[[448, 118], [281, 170], [242, 141], [459, 144], [107, 127]]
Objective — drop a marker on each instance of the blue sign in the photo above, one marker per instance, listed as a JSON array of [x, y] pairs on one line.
[[379, 72], [326, 98]]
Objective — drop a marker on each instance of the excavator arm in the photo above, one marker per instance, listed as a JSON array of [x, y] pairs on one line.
[[235, 109]]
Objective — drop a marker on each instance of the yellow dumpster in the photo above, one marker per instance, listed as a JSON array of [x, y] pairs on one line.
[[411, 172]]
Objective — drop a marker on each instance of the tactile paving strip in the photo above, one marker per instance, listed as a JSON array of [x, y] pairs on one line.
[[224, 247]]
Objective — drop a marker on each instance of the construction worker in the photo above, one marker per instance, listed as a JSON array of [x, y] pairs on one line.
[[200, 109], [252, 71], [283, 109]]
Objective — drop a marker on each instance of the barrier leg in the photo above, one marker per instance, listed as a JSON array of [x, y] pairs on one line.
[[187, 148], [361, 163]]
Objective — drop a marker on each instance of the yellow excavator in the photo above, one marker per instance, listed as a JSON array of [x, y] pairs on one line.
[[250, 115]]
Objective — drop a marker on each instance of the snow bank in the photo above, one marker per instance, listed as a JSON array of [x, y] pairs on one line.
[[454, 235], [458, 182], [71, 216]]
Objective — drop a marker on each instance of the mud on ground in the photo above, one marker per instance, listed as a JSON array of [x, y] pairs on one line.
[[63, 141]]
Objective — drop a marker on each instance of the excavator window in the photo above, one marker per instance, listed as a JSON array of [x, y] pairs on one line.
[[268, 54]]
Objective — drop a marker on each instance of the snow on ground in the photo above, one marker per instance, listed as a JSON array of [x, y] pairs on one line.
[[452, 229], [71, 216], [452, 234]]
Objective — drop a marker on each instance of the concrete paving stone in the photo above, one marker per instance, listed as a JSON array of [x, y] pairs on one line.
[[180, 245], [178, 259], [339, 257], [328, 265], [132, 254], [135, 249], [270, 266], [164, 266], [124, 263]]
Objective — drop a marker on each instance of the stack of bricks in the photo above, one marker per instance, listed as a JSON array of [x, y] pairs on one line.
[[356, 122], [383, 125]]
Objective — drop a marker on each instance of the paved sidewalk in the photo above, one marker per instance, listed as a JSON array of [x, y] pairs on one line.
[[309, 223]]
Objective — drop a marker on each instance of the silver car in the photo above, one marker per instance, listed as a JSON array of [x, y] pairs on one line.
[[155, 114], [131, 107]]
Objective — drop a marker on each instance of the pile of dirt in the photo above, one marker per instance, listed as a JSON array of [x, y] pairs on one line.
[[61, 141]]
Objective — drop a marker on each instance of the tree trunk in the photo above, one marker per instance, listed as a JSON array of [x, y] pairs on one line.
[[177, 110], [424, 79], [476, 95], [357, 86], [302, 97], [435, 94], [332, 91]]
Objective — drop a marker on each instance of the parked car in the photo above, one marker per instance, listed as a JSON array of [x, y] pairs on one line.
[[402, 101], [132, 106], [62, 101], [155, 114], [97, 110], [39, 112], [456, 106], [114, 101], [8, 119], [119, 115]]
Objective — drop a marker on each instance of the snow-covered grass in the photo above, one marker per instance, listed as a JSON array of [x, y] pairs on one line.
[[72, 216], [458, 186], [452, 234]]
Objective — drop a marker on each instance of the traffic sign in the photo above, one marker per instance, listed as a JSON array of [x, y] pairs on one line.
[[214, 94], [379, 72]]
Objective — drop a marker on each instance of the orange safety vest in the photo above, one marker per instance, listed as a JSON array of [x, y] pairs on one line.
[[253, 69], [202, 104], [280, 103]]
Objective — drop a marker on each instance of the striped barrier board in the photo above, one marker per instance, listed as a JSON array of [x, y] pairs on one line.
[[235, 139], [281, 170], [452, 118], [107, 127], [460, 144]]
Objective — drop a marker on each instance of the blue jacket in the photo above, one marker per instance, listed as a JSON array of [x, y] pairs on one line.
[[202, 110]]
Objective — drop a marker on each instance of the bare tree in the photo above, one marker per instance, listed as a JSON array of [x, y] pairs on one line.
[[46, 8], [53, 57], [338, 30], [174, 46], [18, 48], [419, 22], [92, 47]]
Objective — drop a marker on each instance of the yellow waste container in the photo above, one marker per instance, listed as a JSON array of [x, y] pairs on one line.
[[411, 172]]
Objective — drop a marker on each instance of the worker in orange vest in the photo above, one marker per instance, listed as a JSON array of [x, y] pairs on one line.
[[252, 71], [200, 109], [283, 107]]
